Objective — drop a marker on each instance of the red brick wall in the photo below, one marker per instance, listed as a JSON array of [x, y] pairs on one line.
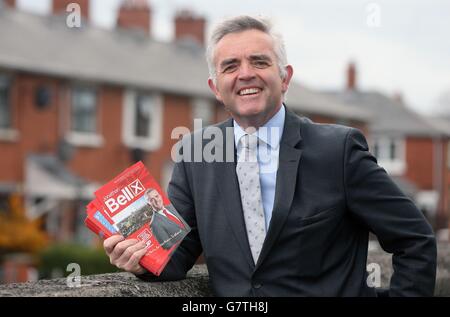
[[16, 271], [10, 166], [321, 119], [177, 113], [37, 128], [41, 129], [102, 163], [445, 202], [419, 162]]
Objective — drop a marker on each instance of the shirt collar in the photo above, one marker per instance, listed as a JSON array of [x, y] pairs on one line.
[[277, 122]]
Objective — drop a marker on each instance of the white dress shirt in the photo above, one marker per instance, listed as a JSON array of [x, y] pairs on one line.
[[269, 136]]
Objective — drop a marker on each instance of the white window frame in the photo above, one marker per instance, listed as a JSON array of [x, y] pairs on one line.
[[396, 166], [84, 139], [154, 140], [203, 108], [9, 134]]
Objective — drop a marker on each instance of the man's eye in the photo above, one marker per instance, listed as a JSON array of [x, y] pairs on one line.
[[229, 69], [261, 64]]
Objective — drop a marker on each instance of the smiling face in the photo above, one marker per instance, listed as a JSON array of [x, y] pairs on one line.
[[248, 79]]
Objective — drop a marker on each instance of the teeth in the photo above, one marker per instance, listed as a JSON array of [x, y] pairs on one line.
[[248, 91]]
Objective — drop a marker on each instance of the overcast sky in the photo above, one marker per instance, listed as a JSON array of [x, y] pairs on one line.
[[398, 46]]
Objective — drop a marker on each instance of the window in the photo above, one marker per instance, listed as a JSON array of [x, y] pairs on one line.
[[5, 107], [202, 109], [7, 131], [389, 152], [84, 110], [142, 115], [83, 117], [393, 150]]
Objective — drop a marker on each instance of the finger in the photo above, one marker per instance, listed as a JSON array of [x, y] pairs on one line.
[[127, 254], [120, 248], [111, 242], [133, 265]]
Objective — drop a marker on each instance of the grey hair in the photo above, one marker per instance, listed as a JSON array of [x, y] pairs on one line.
[[148, 191], [240, 24]]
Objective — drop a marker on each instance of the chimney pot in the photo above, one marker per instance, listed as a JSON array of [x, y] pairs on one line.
[[398, 96], [60, 7], [188, 25], [351, 76], [10, 3], [135, 14]]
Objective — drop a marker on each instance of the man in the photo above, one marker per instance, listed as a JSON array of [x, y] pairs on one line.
[[167, 228], [301, 230], [155, 200]]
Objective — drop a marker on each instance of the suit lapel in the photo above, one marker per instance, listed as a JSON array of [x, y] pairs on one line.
[[227, 183], [289, 158]]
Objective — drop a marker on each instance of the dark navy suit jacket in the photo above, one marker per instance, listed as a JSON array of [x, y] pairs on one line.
[[330, 193]]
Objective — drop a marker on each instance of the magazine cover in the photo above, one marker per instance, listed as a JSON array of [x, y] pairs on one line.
[[133, 205]]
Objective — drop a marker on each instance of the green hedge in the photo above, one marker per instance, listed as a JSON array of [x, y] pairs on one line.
[[59, 256]]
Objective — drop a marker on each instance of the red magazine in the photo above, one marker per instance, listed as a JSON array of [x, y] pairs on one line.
[[134, 205], [97, 222]]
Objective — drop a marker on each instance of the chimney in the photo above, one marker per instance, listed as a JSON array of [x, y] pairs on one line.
[[134, 14], [10, 3], [398, 96], [188, 25], [60, 7], [351, 76]]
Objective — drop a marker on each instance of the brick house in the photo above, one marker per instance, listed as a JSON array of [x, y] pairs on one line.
[[443, 125], [78, 105], [412, 149]]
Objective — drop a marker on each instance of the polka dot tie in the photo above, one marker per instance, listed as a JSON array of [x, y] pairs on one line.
[[247, 170]]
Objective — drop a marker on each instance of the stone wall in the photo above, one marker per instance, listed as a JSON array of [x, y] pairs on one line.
[[195, 285]]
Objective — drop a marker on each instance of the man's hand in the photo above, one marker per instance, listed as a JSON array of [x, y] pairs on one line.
[[125, 254]]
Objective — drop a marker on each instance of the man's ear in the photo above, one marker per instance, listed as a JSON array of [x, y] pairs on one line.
[[214, 89], [287, 79]]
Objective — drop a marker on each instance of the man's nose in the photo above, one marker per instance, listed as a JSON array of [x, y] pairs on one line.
[[246, 72]]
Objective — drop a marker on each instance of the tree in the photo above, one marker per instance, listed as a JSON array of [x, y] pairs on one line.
[[17, 232]]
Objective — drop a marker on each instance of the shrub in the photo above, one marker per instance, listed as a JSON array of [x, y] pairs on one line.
[[56, 258]]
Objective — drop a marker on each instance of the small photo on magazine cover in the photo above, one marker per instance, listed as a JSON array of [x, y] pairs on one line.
[[166, 225]]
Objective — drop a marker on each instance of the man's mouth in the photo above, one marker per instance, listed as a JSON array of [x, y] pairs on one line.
[[248, 91]]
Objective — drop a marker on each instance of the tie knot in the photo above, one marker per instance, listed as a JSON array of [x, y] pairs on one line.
[[249, 141]]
